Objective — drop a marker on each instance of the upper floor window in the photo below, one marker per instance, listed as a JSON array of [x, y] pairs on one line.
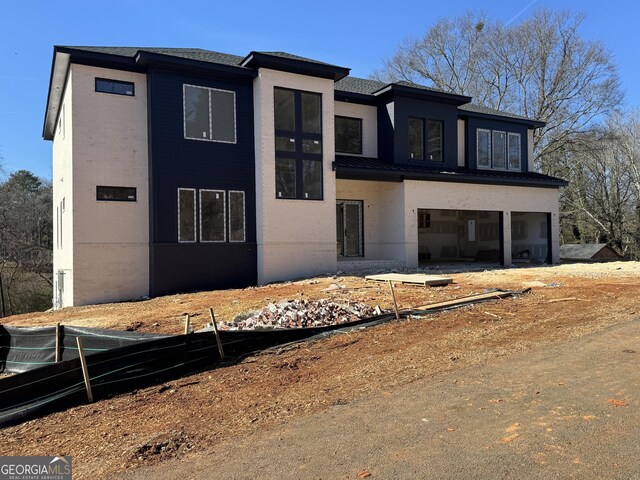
[[349, 135], [298, 144], [499, 150], [434, 143], [209, 114], [115, 194], [118, 87]]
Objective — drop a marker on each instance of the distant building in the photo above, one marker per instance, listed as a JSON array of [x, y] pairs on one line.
[[588, 252]]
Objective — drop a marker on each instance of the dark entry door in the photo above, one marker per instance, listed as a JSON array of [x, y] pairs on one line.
[[349, 228]]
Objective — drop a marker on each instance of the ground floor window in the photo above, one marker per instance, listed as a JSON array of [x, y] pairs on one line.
[[218, 215]]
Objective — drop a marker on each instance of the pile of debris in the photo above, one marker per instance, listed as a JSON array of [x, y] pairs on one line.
[[301, 314]]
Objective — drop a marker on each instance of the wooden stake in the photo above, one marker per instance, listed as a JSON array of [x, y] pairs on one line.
[[395, 305], [215, 330], [187, 321], [57, 342], [85, 372]]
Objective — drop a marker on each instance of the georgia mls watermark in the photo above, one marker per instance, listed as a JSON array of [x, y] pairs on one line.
[[35, 468]]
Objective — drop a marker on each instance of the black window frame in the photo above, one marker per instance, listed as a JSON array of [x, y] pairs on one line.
[[210, 114], [422, 157], [115, 82], [117, 189], [428, 142], [492, 149], [359, 120], [426, 150], [298, 155]]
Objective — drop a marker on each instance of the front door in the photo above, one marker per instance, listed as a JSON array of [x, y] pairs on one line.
[[349, 228]]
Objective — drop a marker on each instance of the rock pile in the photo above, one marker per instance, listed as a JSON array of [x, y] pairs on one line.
[[301, 314]]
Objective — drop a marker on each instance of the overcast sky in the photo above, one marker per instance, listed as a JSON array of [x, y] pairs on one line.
[[358, 35]]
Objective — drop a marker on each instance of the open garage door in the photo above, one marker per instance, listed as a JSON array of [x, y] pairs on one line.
[[459, 236], [530, 237]]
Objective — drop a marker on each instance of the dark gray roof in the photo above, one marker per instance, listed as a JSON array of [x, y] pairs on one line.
[[188, 53], [475, 108], [359, 85], [365, 165], [584, 251], [290, 56]]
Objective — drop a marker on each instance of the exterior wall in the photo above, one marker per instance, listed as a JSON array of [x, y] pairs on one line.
[[62, 181], [295, 238], [461, 143], [369, 116], [531, 163], [110, 239]]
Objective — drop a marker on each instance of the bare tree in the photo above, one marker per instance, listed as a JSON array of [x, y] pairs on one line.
[[540, 68]]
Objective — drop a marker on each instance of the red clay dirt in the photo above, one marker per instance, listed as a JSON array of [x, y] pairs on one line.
[[197, 412]]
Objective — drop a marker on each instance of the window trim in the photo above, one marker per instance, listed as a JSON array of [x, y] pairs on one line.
[[519, 137], [211, 139], [428, 150], [423, 158], [113, 80], [195, 225], [508, 135], [126, 200], [489, 149], [224, 216], [244, 216], [360, 129]]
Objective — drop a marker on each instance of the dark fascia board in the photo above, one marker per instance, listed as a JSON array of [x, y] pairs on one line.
[[351, 97], [385, 175], [394, 89], [502, 118], [261, 60]]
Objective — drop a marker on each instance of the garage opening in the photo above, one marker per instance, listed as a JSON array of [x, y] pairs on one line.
[[458, 236], [530, 237]]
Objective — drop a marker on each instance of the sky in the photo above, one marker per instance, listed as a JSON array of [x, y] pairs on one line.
[[355, 34]]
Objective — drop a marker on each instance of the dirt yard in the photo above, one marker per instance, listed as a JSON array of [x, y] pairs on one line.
[[200, 411]]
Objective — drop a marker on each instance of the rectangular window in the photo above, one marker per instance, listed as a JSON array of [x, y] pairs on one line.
[[416, 138], [237, 231], [212, 216], [116, 194], [515, 151], [209, 114], [434, 140], [186, 215], [285, 178], [298, 144], [483, 140], [499, 150], [348, 135], [117, 87]]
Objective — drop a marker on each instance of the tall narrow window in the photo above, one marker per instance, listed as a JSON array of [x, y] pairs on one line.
[[434, 140], [237, 232], [349, 135], [209, 114], [483, 140], [515, 151], [212, 216], [499, 150], [416, 138], [298, 144], [186, 215]]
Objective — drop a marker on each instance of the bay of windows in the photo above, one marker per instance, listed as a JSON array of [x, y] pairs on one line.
[[498, 150]]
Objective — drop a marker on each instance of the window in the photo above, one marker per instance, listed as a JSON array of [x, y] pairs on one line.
[[117, 87], [484, 148], [212, 216], [424, 219], [434, 140], [237, 231], [215, 209], [209, 114], [298, 144], [116, 194], [515, 151], [416, 138], [186, 215], [349, 135], [499, 150]]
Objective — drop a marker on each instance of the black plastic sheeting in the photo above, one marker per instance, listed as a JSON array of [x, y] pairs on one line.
[[56, 386], [26, 348]]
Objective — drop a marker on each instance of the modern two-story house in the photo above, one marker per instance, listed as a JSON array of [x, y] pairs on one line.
[[178, 170]]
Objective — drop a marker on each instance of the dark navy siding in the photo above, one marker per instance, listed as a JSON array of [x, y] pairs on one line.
[[176, 162], [412, 107], [470, 142], [386, 132]]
